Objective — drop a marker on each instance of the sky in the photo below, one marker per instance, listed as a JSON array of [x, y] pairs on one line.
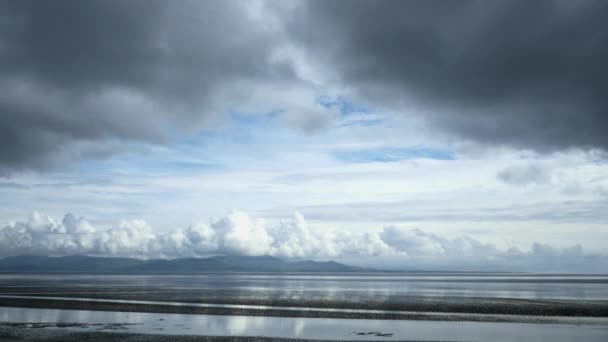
[[453, 135]]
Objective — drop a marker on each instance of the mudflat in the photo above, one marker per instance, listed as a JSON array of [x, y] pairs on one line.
[[309, 304], [588, 314], [18, 334]]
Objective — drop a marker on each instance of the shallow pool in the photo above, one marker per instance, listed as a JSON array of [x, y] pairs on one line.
[[308, 328]]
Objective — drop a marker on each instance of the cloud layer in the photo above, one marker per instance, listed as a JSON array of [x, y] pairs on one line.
[[529, 74], [79, 79], [85, 79], [239, 234]]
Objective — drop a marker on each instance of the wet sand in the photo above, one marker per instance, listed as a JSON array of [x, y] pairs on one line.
[[254, 295], [17, 333], [309, 312], [58, 325], [417, 307]]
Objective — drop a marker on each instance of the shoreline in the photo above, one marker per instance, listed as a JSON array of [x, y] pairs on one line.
[[353, 305], [66, 304], [18, 334]]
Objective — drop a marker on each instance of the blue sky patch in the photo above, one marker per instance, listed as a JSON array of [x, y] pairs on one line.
[[393, 154], [365, 122], [344, 105]]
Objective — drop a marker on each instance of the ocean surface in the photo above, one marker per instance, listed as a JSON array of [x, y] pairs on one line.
[[328, 286]]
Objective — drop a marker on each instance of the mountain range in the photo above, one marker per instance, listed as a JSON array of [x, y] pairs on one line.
[[88, 264]]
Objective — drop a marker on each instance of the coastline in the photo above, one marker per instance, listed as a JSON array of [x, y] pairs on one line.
[[79, 304], [18, 334], [219, 309]]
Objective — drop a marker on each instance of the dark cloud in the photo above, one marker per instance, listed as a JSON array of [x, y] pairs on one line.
[[80, 78], [77, 74], [529, 74], [12, 185]]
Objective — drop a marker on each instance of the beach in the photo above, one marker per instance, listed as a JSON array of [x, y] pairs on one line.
[[15, 334], [286, 307]]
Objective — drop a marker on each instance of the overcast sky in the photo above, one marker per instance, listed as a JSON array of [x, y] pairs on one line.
[[426, 134]]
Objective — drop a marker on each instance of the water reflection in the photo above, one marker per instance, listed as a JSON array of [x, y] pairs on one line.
[[335, 287], [309, 328]]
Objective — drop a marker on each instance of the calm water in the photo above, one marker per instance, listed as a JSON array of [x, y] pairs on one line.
[[310, 328], [354, 287], [521, 286]]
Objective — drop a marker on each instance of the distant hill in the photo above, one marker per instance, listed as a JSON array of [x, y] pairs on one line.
[[80, 263]]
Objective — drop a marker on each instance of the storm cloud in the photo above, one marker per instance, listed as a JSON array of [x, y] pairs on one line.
[[81, 78], [528, 74], [84, 79]]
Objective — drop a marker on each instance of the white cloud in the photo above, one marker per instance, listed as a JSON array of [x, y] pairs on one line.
[[416, 242], [239, 234], [129, 238], [199, 237], [76, 225]]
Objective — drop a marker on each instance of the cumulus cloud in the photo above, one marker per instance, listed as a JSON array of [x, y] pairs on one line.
[[239, 234], [129, 238]]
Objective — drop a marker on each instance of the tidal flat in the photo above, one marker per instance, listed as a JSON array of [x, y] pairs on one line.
[[356, 295], [430, 307], [46, 324], [437, 310]]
